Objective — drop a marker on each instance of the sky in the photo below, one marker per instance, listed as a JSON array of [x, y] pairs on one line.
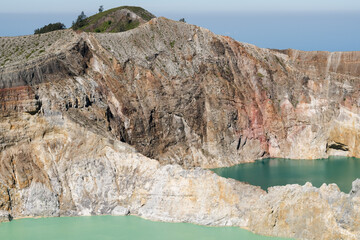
[[329, 25], [69, 6]]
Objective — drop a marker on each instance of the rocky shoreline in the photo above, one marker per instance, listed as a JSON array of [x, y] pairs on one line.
[[113, 179], [127, 123]]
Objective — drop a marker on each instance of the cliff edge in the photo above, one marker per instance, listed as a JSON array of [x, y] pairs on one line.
[[118, 123]]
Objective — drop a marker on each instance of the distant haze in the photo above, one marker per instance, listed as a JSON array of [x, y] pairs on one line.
[[309, 31], [46, 6], [306, 25]]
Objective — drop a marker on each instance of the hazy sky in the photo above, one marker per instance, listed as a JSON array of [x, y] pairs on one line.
[[63, 6], [331, 25]]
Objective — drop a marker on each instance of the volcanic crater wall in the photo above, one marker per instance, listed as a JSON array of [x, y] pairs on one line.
[[185, 97], [180, 94], [197, 99]]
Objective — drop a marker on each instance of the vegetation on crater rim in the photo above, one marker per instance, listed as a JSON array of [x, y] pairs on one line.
[[112, 20]]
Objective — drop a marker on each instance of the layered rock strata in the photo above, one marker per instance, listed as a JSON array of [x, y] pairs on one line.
[[121, 124], [209, 101], [181, 94], [63, 169]]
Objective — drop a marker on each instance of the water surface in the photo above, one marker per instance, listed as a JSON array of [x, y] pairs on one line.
[[111, 228], [303, 30], [272, 172], [329, 31]]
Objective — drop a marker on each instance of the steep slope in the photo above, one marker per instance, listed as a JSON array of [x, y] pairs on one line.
[[60, 168], [180, 94], [195, 98], [183, 96]]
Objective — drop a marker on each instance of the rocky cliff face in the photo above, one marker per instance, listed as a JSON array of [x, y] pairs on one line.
[[180, 94], [183, 98], [206, 100]]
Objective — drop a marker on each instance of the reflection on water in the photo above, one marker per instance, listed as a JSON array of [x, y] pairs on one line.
[[272, 172], [111, 228]]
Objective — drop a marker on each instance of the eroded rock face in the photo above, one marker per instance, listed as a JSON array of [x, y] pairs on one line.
[[183, 98], [197, 99], [71, 171], [181, 94], [4, 216]]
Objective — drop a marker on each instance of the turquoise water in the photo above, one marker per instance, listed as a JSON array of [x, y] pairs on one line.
[[116, 228], [272, 172]]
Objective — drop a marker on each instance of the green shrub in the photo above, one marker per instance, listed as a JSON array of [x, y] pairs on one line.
[[172, 44], [50, 27], [260, 75]]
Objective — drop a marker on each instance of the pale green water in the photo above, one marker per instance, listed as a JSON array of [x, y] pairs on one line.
[[272, 172], [116, 228]]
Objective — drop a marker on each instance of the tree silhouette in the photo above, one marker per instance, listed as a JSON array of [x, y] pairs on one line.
[[80, 21], [50, 27]]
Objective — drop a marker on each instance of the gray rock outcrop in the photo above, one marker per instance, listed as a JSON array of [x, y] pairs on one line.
[[126, 123]]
